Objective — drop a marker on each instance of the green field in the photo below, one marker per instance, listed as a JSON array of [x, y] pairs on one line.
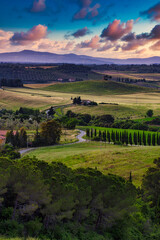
[[120, 160], [96, 88]]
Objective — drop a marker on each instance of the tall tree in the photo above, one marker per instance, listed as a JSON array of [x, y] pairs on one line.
[[50, 132]]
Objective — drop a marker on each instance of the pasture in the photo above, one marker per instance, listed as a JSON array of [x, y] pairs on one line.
[[107, 158]]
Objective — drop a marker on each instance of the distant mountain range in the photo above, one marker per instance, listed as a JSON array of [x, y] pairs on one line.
[[28, 56]]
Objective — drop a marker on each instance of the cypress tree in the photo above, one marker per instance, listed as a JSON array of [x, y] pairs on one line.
[[130, 139], [95, 132], [120, 137], [10, 137], [157, 137], [126, 138], [16, 139], [104, 136], [23, 137], [117, 136], [108, 136], [113, 136], [140, 139], [135, 138], [91, 133], [144, 139], [100, 134], [153, 139], [88, 132], [149, 139]]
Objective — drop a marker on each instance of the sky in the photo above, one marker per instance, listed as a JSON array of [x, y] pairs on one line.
[[99, 28]]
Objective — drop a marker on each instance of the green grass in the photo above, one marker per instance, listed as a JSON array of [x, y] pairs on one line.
[[96, 88], [118, 111], [120, 160]]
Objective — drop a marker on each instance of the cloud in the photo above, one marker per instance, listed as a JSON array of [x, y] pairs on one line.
[[152, 13], [86, 11], [93, 43], [135, 41], [58, 46], [134, 45], [79, 33], [156, 46], [38, 6], [69, 46], [129, 37], [105, 47], [141, 51], [34, 34], [116, 30]]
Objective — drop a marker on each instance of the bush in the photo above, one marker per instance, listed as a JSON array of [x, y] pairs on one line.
[[149, 113], [11, 228], [33, 228]]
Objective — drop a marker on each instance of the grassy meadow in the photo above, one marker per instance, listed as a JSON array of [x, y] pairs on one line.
[[107, 158]]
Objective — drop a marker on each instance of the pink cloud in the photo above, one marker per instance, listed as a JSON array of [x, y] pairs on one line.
[[34, 34], [156, 46], [116, 30], [153, 13], [93, 43], [134, 45], [38, 6], [86, 11]]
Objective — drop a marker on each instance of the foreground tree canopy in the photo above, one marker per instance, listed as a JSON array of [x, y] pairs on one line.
[[54, 201]]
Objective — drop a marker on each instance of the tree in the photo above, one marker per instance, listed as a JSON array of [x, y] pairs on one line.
[[23, 137], [149, 139], [50, 132], [149, 113], [95, 132], [108, 136], [153, 139], [130, 139], [144, 139], [135, 138], [10, 137], [88, 132], [151, 186]]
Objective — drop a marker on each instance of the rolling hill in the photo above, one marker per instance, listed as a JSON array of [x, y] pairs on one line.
[[28, 56], [97, 88]]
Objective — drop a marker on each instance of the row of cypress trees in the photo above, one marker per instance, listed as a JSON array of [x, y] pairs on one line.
[[124, 137]]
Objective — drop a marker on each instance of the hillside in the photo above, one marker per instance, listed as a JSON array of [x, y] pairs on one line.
[[96, 88], [28, 56]]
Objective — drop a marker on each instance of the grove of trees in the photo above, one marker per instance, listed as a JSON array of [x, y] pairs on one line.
[[52, 201]]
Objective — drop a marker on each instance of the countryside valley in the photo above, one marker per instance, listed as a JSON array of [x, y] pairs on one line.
[[79, 152]]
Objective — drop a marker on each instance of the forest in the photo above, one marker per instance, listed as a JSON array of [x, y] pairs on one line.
[[52, 201]]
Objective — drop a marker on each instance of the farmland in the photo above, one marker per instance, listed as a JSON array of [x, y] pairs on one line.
[[130, 104]]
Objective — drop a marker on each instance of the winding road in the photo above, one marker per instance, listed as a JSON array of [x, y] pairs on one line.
[[79, 138]]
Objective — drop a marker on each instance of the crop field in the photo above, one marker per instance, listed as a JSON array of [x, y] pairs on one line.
[[131, 75], [108, 158]]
